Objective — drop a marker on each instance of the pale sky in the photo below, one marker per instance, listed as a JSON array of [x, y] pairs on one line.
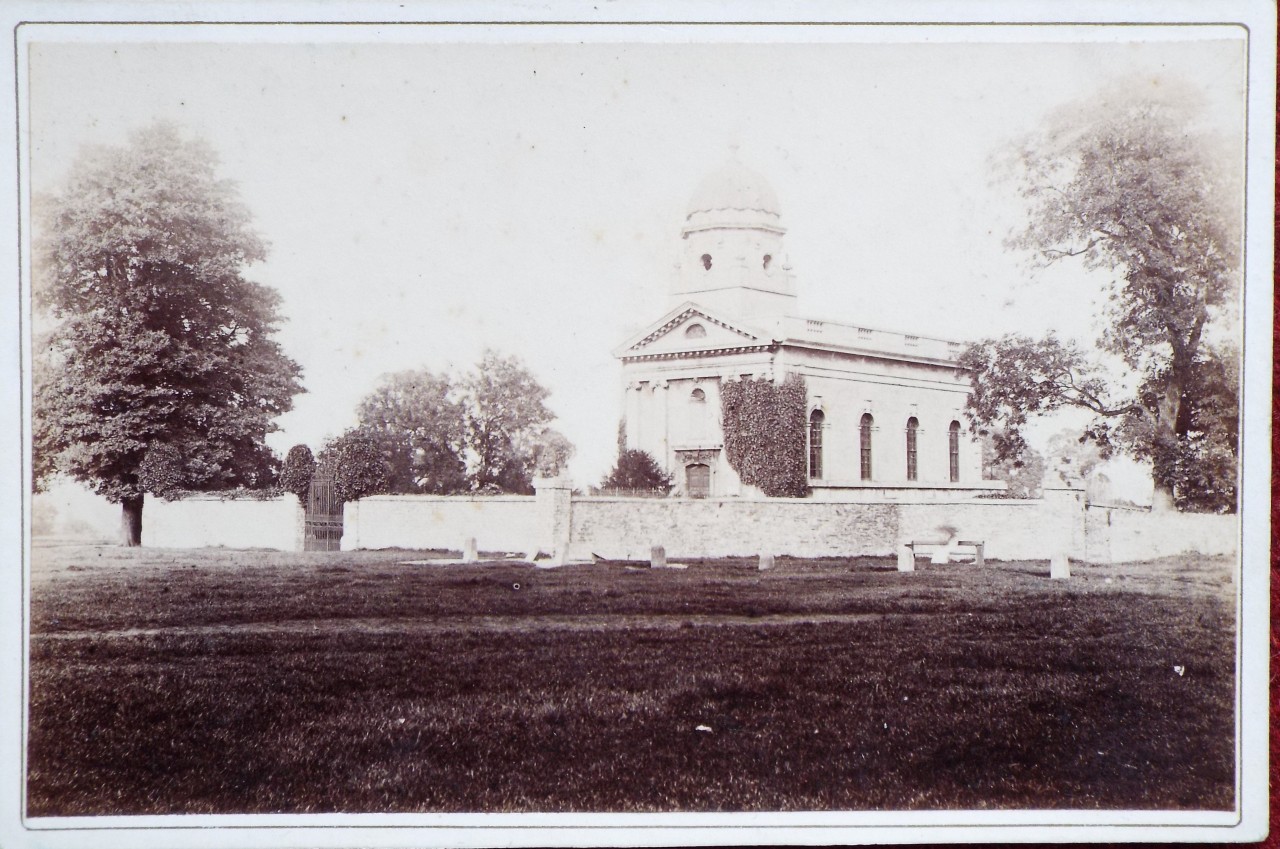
[[426, 200]]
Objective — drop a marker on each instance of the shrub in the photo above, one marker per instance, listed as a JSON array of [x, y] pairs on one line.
[[637, 470], [358, 466], [299, 469]]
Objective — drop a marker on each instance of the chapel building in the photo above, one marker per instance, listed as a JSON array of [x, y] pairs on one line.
[[884, 408]]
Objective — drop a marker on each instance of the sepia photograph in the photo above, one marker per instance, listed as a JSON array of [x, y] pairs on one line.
[[503, 425]]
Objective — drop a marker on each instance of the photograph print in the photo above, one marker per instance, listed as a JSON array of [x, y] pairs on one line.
[[821, 431]]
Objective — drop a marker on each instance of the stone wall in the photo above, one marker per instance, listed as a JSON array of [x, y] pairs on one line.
[[1119, 534], [207, 520], [498, 523], [1012, 529], [625, 528], [567, 526], [622, 528]]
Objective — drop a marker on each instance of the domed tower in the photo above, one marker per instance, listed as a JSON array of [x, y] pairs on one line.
[[733, 253]]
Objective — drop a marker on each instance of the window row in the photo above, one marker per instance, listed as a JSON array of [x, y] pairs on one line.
[[817, 422]]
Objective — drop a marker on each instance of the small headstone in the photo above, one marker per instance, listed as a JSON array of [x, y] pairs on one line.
[[657, 557], [766, 562], [469, 553], [1059, 567], [906, 559]]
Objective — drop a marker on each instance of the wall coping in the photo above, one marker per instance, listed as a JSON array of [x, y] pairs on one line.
[[801, 502], [487, 499], [213, 496]]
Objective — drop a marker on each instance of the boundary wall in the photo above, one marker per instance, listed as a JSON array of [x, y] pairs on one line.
[[201, 521], [566, 527], [1120, 534], [617, 528], [496, 522]]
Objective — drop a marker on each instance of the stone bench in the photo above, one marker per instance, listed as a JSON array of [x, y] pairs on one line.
[[961, 548]]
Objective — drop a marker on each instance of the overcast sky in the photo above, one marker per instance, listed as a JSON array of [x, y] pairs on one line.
[[426, 200]]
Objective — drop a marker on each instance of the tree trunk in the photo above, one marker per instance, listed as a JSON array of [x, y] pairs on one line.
[[1164, 447], [131, 522]]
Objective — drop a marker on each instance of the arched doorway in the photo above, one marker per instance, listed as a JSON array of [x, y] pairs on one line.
[[697, 480]]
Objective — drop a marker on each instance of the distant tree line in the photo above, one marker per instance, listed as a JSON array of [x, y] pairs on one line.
[[424, 432]]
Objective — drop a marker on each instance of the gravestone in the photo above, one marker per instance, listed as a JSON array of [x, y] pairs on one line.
[[906, 559], [657, 557], [766, 562], [469, 553], [1059, 568]]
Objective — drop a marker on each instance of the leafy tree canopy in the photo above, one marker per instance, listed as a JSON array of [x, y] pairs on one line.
[[421, 429], [160, 345], [506, 414], [487, 431], [1022, 472], [1130, 183]]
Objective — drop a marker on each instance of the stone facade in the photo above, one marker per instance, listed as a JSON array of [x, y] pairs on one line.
[[885, 407]]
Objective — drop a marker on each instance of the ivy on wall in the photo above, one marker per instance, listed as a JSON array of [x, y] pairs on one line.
[[764, 434]]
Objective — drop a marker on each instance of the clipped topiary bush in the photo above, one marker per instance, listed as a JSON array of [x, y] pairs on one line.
[[299, 469]]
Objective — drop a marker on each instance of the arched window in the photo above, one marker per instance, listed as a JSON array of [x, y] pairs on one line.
[[706, 261], [695, 331], [953, 447], [864, 445], [816, 420], [913, 425]]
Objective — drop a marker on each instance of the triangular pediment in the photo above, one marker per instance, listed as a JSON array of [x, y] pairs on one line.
[[691, 329]]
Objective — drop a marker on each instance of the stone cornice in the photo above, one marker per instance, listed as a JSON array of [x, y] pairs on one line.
[[700, 353]]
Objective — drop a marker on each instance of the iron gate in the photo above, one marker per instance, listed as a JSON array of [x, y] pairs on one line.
[[323, 516]]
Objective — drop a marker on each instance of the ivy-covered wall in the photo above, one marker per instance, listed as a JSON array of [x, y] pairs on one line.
[[764, 434]]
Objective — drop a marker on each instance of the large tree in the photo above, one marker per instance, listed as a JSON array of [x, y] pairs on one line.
[[421, 429], [160, 347], [507, 420], [1130, 183]]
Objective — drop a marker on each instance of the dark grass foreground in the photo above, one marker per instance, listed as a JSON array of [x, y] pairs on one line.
[[167, 682]]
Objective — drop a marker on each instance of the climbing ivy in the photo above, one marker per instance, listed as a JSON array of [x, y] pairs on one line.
[[764, 434]]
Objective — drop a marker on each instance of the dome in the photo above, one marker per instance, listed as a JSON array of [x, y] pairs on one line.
[[734, 187]]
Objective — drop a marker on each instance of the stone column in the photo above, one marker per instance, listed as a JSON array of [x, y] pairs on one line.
[[662, 397], [631, 413]]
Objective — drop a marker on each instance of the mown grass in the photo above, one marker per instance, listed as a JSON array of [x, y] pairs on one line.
[[166, 682]]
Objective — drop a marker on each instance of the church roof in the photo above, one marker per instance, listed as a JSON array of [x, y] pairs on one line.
[[734, 187]]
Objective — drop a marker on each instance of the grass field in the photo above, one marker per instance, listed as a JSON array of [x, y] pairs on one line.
[[216, 681]]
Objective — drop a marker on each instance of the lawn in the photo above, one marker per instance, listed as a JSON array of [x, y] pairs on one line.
[[220, 682]]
